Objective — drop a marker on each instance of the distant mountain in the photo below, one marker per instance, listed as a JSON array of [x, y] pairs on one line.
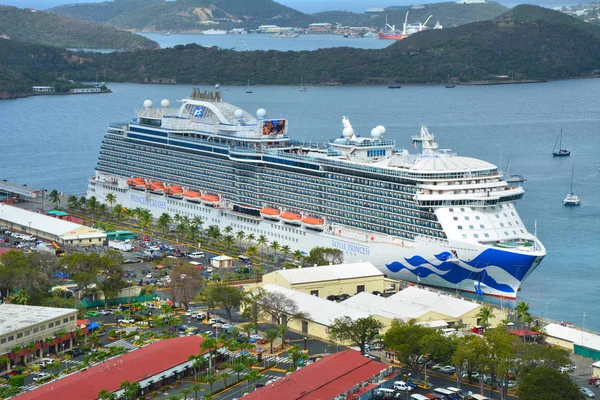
[[527, 43], [188, 15], [182, 15], [53, 30]]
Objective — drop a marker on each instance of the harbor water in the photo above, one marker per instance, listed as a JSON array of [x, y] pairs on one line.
[[52, 142]]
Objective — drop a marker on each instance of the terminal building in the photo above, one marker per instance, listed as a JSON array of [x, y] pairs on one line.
[[575, 340], [49, 228], [330, 280], [27, 329]]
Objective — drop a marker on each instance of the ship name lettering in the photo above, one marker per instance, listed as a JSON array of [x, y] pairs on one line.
[[351, 247], [148, 202]]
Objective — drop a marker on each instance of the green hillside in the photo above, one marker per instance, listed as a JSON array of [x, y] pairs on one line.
[[53, 30], [545, 45]]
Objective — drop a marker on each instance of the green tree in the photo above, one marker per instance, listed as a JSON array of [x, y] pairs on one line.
[[252, 251], [224, 376], [262, 241], [360, 331], [185, 393], [324, 256], [485, 314], [270, 336], [275, 247], [228, 230], [285, 250], [544, 383], [240, 235], [145, 217], [500, 356], [213, 233], [297, 256], [470, 351], [72, 202], [22, 297], [250, 238], [91, 205], [111, 286], [196, 388], [229, 241], [248, 329], [118, 212], [163, 222], [106, 395], [297, 355], [110, 199], [210, 379], [82, 268], [54, 197], [225, 297], [252, 376], [238, 368], [522, 312]]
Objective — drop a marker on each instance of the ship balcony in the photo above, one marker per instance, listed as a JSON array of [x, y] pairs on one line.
[[465, 185], [470, 194]]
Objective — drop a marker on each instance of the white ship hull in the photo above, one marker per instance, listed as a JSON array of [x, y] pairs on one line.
[[450, 264]]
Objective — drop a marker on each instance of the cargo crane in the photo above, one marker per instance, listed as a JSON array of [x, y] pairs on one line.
[[57, 250]]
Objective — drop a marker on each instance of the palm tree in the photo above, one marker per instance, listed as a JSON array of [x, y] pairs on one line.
[[110, 199], [282, 329], [238, 368], [297, 256], [247, 329], [72, 202], [198, 222], [146, 218], [522, 312], [275, 247], [285, 250], [270, 336], [262, 241], [101, 208], [91, 205], [228, 230], [224, 375], [129, 214], [196, 387], [166, 309], [229, 241], [54, 197], [185, 392], [163, 222], [210, 379], [118, 212], [240, 235], [210, 345], [213, 232], [252, 251], [250, 238], [252, 375], [81, 203], [22, 297], [485, 314], [106, 395]]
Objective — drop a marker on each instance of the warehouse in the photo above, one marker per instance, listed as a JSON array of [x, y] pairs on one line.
[[330, 280], [49, 228], [575, 340]]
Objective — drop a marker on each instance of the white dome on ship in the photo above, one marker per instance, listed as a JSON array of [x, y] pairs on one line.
[[382, 129], [165, 103], [376, 133], [238, 114], [348, 132], [261, 113], [442, 164], [147, 103]]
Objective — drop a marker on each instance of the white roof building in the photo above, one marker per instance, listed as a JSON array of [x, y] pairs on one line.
[[320, 310], [329, 273], [573, 336], [421, 301], [47, 227]]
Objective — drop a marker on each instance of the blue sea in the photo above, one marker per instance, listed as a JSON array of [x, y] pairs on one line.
[[52, 142]]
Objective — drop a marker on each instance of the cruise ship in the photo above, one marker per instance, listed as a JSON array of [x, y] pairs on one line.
[[432, 217]]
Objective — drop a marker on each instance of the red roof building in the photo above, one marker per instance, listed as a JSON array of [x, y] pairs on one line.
[[334, 375], [148, 364]]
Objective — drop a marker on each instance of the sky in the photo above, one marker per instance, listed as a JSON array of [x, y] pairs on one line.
[[306, 6]]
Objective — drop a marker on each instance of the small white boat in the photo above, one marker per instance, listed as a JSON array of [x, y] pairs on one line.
[[572, 199], [248, 90], [302, 88]]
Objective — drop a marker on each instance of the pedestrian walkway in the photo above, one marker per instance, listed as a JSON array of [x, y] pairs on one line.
[[72, 362], [29, 387], [122, 343], [278, 360]]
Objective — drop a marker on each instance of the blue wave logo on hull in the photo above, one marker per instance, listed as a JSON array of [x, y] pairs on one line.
[[517, 265]]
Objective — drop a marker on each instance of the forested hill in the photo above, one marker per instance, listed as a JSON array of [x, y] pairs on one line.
[[187, 15], [50, 29], [182, 15], [528, 42]]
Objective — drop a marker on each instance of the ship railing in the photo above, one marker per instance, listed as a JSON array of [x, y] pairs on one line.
[[366, 143], [149, 113]]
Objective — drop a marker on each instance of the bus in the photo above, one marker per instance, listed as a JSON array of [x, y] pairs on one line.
[[479, 397], [445, 394]]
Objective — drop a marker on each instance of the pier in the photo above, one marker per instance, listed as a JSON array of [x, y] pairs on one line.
[[11, 189]]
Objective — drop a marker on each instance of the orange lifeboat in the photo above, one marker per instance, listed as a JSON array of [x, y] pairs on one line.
[[270, 213], [191, 196], [291, 218], [210, 200], [175, 192], [136, 183], [155, 187], [313, 223]]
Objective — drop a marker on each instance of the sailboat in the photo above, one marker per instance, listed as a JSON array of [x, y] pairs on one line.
[[302, 88], [572, 199], [561, 152], [248, 90], [512, 178]]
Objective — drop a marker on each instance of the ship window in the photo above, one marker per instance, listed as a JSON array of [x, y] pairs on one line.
[[464, 235], [476, 236], [505, 233], [462, 209], [522, 231], [466, 218], [477, 217], [514, 232], [451, 209], [471, 227], [486, 234], [455, 218], [512, 213], [497, 215], [482, 226], [509, 223], [460, 227], [505, 214], [502, 224]]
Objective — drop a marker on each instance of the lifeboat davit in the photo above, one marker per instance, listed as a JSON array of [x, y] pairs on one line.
[[270, 213], [210, 200], [191, 196], [175, 192], [313, 223], [137, 183], [291, 218], [155, 187]]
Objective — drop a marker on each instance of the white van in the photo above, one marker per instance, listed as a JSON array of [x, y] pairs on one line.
[[445, 393], [457, 391], [385, 392], [197, 254], [479, 397], [417, 396], [402, 386]]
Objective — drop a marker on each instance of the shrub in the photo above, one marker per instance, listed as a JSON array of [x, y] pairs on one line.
[[17, 381]]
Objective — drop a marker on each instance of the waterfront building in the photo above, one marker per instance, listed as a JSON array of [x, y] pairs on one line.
[[575, 340], [49, 228], [330, 280], [43, 89]]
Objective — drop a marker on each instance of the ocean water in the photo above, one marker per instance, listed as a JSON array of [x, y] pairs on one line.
[[53, 142], [251, 42]]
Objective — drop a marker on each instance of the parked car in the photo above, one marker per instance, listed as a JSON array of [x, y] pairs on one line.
[[104, 312], [593, 381], [257, 338], [40, 376], [402, 386], [448, 369], [587, 393], [201, 316], [214, 320]]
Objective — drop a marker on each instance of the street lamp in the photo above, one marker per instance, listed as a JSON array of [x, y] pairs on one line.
[[583, 329], [29, 222], [305, 339]]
